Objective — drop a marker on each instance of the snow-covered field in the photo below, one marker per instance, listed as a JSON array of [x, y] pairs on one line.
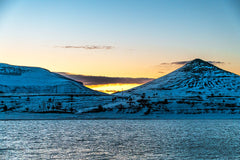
[[51, 103]]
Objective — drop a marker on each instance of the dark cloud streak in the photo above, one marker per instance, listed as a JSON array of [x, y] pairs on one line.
[[88, 47], [185, 62], [180, 62], [216, 62], [160, 72], [97, 80]]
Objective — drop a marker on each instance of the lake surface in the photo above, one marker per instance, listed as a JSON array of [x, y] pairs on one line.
[[120, 139]]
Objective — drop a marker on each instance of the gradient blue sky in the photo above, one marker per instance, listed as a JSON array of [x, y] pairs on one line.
[[142, 34]]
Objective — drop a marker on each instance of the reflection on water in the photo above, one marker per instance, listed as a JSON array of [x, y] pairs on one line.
[[120, 139]]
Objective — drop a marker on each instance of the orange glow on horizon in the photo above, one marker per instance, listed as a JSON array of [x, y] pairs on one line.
[[112, 88]]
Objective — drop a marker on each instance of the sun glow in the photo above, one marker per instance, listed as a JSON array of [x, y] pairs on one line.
[[112, 88]]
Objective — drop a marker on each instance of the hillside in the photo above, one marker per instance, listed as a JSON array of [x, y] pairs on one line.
[[196, 88], [33, 89], [33, 80], [197, 76]]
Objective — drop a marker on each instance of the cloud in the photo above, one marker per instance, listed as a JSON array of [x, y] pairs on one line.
[[185, 62], [89, 47], [180, 62], [160, 72], [96, 80], [216, 62]]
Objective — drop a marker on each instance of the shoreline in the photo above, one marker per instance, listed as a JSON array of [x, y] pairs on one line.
[[15, 116]]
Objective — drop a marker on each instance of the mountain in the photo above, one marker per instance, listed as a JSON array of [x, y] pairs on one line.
[[195, 77], [196, 88], [34, 80], [37, 90]]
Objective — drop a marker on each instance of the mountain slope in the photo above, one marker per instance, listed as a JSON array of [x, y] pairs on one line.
[[196, 88], [20, 79], [196, 75]]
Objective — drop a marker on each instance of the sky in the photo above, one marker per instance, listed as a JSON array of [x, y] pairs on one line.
[[119, 38]]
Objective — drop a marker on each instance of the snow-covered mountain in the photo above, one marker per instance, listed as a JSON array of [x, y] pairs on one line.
[[196, 88], [196, 77], [32, 89], [33, 80]]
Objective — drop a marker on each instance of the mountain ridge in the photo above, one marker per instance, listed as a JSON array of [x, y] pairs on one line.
[[24, 79]]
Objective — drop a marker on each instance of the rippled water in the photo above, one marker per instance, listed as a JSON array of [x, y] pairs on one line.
[[120, 139]]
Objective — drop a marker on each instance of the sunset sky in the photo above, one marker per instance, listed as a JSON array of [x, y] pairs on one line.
[[119, 38]]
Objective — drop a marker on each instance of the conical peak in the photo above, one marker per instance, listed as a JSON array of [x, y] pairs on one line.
[[199, 62], [198, 65]]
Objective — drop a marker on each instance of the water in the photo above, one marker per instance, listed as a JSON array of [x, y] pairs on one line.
[[120, 139]]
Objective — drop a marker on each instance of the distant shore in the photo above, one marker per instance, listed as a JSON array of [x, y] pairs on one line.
[[67, 116], [36, 116]]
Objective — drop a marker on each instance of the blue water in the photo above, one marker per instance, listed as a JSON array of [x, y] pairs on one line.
[[120, 139]]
